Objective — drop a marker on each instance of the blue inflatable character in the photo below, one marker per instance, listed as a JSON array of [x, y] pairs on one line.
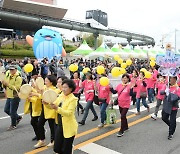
[[47, 43]]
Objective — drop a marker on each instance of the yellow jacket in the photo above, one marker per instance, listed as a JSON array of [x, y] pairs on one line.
[[48, 112], [36, 105], [14, 82], [67, 111]]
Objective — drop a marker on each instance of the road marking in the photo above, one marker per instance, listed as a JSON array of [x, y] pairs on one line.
[[142, 108], [89, 148], [178, 119], [77, 136], [1, 118], [109, 133]]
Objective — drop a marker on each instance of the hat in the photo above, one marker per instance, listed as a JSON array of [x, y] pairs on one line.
[[12, 67]]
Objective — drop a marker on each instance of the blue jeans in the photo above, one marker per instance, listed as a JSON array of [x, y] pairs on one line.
[[89, 105], [11, 107], [103, 107], [150, 95], [143, 102]]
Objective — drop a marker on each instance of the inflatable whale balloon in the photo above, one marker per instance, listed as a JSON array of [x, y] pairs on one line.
[[46, 43]]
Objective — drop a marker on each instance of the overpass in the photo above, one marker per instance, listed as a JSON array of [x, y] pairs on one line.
[[28, 20]]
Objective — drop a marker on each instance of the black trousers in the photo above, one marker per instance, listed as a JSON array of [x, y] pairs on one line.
[[34, 123], [62, 145], [41, 124], [170, 120], [79, 105], [134, 98]]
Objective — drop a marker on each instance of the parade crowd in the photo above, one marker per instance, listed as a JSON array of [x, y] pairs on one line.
[[133, 87]]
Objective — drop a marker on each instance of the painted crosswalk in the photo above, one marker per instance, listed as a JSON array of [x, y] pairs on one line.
[[91, 147]]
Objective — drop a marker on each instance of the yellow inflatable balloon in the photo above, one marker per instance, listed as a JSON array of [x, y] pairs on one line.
[[116, 57], [143, 70], [152, 63], [104, 81], [85, 70], [147, 74], [120, 61], [116, 71], [152, 58], [100, 70], [73, 67], [128, 62], [123, 71], [123, 65], [28, 68]]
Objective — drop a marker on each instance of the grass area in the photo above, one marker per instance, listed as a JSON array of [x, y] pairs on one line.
[[10, 53], [24, 50]]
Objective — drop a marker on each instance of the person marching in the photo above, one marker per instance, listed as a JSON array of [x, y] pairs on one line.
[[170, 105], [33, 105], [12, 84], [160, 86], [65, 107], [104, 99], [151, 86], [141, 92], [89, 87], [47, 114], [77, 92], [124, 91], [134, 78]]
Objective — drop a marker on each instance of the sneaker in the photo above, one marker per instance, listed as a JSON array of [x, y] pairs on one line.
[[82, 122], [50, 144], [11, 128], [95, 118], [170, 137], [138, 113], [40, 144], [18, 120], [120, 134], [154, 117], [100, 125]]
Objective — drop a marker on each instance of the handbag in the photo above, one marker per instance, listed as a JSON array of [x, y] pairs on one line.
[[143, 94], [111, 116], [116, 100]]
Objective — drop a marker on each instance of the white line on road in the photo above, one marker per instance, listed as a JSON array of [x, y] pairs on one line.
[[178, 119], [1, 118], [91, 147], [142, 108]]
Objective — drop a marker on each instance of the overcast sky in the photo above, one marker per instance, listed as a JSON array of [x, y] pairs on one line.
[[150, 17]]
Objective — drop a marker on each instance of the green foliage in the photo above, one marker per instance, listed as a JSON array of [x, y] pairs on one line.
[[16, 53], [70, 48]]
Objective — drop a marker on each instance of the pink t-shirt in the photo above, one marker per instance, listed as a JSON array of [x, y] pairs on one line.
[[78, 85], [88, 85], [104, 92], [174, 90], [161, 86], [124, 98], [152, 81], [140, 87]]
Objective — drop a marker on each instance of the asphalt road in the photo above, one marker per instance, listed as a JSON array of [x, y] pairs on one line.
[[145, 136]]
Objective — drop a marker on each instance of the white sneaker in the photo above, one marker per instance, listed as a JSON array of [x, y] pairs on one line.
[[154, 117], [50, 144], [40, 144], [100, 125]]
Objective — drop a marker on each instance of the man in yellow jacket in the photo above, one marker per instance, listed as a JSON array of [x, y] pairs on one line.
[[12, 84]]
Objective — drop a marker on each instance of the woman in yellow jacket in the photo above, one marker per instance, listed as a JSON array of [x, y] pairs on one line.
[[65, 107], [33, 105], [47, 114]]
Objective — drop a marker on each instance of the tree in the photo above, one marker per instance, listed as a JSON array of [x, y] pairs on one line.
[[90, 39]]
